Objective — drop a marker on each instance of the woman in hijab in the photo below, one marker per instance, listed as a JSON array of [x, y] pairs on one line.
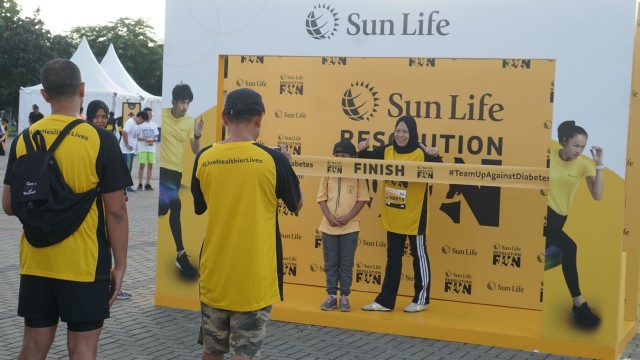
[[98, 115], [403, 214]]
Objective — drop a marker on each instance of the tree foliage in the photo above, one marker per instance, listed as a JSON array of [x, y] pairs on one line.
[[9, 12], [137, 49], [26, 45]]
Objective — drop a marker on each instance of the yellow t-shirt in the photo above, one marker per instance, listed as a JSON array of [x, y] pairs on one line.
[[404, 204], [564, 178], [404, 207], [238, 184], [341, 195], [176, 134], [88, 157]]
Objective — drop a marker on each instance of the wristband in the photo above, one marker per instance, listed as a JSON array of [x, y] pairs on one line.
[[600, 167], [197, 137]]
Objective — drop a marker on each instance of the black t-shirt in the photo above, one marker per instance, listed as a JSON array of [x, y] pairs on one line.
[[34, 117]]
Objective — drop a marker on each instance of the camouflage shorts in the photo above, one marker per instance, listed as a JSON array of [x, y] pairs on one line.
[[240, 333]]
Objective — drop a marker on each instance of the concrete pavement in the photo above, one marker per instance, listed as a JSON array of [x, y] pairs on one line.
[[140, 330]]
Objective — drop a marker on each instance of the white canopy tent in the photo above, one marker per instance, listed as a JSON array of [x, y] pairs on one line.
[[98, 85], [111, 65]]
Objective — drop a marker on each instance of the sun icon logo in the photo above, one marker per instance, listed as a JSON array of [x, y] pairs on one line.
[[360, 102], [322, 22]]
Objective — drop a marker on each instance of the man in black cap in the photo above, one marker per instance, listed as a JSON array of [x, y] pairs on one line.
[[35, 115], [240, 181]]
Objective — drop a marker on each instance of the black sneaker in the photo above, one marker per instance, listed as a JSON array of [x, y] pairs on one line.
[[182, 262], [139, 187], [585, 316], [147, 187]]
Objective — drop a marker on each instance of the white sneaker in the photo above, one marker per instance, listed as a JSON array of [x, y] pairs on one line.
[[374, 306], [413, 307]]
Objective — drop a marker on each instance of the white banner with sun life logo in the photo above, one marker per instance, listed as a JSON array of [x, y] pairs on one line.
[[484, 247]]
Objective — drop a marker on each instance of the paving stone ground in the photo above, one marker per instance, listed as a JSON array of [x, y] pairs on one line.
[[140, 330]]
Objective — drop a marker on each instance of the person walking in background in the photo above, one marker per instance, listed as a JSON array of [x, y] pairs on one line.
[[97, 112], [340, 200], [567, 169], [404, 214], [177, 128], [4, 123], [147, 138], [113, 124], [238, 262], [129, 141], [35, 115], [73, 281], [3, 136]]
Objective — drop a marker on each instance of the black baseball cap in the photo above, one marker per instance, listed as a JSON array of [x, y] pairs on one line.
[[243, 101], [345, 147]]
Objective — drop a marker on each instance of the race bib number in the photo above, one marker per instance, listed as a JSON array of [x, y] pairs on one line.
[[395, 198]]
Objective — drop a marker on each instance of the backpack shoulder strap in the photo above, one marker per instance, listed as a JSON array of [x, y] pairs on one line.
[[26, 137], [66, 130]]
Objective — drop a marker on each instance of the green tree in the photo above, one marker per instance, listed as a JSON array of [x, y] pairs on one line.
[[9, 13], [133, 40], [25, 46], [62, 46]]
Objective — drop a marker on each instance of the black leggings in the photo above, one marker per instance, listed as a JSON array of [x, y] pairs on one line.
[[169, 200], [557, 237]]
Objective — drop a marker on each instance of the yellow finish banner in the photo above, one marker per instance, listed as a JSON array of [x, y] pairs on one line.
[[440, 173]]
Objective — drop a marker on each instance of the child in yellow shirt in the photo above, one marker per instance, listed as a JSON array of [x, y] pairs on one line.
[[340, 200]]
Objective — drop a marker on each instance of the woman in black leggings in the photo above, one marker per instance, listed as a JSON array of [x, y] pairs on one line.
[[566, 172]]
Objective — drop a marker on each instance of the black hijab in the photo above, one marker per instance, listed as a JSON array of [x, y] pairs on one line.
[[413, 143], [93, 108]]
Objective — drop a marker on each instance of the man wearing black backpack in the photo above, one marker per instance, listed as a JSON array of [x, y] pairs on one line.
[[71, 279]]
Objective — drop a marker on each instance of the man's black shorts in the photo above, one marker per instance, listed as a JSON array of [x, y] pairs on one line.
[[83, 306]]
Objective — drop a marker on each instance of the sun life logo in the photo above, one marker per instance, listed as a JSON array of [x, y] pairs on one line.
[[322, 22], [359, 102]]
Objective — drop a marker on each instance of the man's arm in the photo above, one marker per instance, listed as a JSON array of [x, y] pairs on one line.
[[6, 191], [118, 230], [197, 133], [199, 202], [125, 139], [195, 145], [6, 200]]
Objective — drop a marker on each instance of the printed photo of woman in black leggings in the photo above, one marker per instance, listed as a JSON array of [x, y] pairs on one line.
[[566, 172]]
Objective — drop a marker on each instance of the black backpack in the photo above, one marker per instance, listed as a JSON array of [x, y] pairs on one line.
[[46, 206]]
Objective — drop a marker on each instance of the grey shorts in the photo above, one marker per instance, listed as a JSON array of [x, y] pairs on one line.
[[240, 333]]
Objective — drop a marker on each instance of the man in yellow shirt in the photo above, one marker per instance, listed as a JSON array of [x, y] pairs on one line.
[[177, 128], [239, 182], [73, 280]]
